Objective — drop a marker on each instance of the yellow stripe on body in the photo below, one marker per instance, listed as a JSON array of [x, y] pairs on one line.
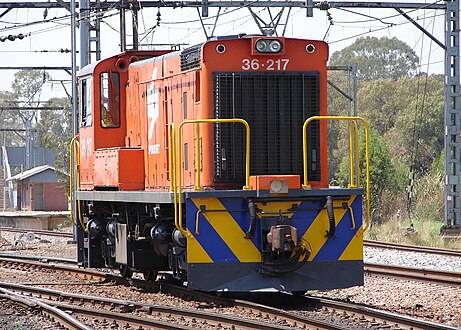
[[354, 251], [196, 253], [315, 234], [228, 229]]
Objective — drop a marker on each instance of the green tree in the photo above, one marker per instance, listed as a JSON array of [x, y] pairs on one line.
[[382, 169], [418, 131], [27, 85], [337, 131], [55, 132], [381, 101], [378, 58], [9, 122]]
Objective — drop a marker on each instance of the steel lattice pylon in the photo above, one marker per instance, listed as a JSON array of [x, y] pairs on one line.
[[452, 115]]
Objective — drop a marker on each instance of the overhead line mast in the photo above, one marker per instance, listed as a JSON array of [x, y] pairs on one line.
[[452, 74]]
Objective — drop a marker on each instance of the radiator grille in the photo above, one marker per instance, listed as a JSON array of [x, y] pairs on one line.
[[275, 106], [190, 57]]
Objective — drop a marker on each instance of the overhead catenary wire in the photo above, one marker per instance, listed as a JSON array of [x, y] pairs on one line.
[[370, 31], [417, 124], [372, 18]]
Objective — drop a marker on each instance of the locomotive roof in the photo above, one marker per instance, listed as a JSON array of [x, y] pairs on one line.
[[89, 69]]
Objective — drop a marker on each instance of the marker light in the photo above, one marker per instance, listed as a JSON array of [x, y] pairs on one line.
[[310, 48], [220, 48]]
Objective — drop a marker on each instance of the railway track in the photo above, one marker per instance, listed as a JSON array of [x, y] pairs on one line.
[[420, 274], [37, 232], [54, 314], [335, 309], [412, 248], [280, 319], [372, 317], [277, 319], [116, 312]]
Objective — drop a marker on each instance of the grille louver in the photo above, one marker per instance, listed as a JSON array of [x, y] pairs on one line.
[[190, 57], [275, 106]]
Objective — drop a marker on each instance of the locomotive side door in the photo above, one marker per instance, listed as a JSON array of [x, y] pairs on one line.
[[86, 131]]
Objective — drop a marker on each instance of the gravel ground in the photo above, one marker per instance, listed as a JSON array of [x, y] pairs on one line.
[[412, 259], [16, 317]]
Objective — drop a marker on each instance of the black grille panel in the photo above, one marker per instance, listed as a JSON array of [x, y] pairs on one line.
[[275, 106], [190, 57]]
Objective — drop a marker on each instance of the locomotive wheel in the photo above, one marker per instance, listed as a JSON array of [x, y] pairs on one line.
[[150, 275], [125, 271]]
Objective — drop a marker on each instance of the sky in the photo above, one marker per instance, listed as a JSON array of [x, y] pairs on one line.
[[48, 34]]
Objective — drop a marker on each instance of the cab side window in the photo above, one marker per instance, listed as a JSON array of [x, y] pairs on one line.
[[110, 99], [86, 102]]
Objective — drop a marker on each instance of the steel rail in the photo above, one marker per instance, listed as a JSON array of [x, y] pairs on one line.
[[125, 306], [70, 269], [412, 248], [375, 315], [58, 315], [36, 231], [295, 320], [420, 274], [42, 259]]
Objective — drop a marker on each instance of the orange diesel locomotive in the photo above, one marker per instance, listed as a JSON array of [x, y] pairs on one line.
[[210, 164]]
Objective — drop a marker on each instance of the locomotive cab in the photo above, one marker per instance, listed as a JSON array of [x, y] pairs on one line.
[[108, 162]]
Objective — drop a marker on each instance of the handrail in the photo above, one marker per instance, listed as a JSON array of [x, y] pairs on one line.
[[74, 147], [171, 157], [177, 175], [350, 119], [354, 174], [173, 187], [357, 156]]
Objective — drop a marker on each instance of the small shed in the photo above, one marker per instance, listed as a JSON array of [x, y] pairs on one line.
[[38, 189]]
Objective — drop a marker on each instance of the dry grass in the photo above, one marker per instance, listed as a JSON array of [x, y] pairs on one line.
[[422, 226]]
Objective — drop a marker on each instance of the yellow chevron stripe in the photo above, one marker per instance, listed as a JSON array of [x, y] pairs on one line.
[[354, 251], [196, 253], [315, 234], [228, 230]]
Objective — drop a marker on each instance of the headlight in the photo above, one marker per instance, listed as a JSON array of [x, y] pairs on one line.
[[275, 46], [279, 187], [261, 46], [268, 45]]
